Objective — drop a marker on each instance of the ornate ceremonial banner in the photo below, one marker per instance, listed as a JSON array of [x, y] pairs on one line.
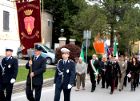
[[29, 23], [99, 47]]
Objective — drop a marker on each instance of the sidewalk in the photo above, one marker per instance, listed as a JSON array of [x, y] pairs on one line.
[[20, 86]]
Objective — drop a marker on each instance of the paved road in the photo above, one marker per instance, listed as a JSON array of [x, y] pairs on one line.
[[85, 95]]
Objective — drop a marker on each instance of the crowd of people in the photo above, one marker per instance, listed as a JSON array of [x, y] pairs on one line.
[[110, 71]]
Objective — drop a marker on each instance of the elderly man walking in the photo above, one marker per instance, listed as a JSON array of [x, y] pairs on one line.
[[123, 68], [81, 69]]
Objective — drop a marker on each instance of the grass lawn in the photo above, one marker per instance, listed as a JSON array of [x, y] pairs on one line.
[[22, 74]]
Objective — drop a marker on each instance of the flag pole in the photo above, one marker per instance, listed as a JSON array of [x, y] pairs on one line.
[[30, 55], [31, 77]]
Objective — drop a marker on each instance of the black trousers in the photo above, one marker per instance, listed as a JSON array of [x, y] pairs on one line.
[[103, 80], [93, 81], [58, 93], [29, 92], [8, 87], [125, 81]]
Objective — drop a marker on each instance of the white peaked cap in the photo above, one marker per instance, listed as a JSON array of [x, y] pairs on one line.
[[9, 48], [65, 50]]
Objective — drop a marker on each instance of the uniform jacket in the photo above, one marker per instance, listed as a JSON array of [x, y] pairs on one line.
[[38, 67], [11, 69], [68, 70]]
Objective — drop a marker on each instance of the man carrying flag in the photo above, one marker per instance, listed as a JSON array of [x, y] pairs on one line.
[[35, 76]]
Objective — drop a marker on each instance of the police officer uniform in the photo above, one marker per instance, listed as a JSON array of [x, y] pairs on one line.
[[38, 68], [9, 67], [64, 77]]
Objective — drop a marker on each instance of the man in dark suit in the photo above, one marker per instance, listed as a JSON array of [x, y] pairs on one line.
[[36, 66], [9, 70], [65, 76], [103, 67], [93, 68]]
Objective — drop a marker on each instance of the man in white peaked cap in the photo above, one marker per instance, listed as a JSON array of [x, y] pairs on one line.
[[64, 76]]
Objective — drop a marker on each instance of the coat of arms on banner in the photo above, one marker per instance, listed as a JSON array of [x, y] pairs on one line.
[[29, 21]]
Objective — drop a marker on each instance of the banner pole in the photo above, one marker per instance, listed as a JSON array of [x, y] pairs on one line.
[[30, 54], [31, 77]]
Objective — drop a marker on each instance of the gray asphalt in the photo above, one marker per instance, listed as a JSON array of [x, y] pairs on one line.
[[85, 95]]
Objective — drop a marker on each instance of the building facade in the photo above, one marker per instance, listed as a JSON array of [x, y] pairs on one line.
[[46, 28], [9, 26]]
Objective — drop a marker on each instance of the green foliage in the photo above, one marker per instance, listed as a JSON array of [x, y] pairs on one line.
[[23, 72], [63, 10], [92, 18], [74, 51], [130, 28]]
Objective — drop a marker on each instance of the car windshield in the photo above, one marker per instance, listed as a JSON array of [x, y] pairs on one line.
[[48, 48]]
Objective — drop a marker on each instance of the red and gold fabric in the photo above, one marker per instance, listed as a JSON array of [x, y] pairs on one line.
[[29, 22]]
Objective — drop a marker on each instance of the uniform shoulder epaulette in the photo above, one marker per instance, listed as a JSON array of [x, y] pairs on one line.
[[71, 60], [59, 60]]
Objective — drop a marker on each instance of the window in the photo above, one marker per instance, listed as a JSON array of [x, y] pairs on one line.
[[5, 21]]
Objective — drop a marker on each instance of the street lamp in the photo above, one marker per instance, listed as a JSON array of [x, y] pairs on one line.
[[62, 31], [117, 18], [86, 43]]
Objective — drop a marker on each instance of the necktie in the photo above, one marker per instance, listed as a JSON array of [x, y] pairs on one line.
[[35, 58], [64, 62], [7, 58]]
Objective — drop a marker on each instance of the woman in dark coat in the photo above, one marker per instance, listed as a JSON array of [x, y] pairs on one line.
[[134, 70]]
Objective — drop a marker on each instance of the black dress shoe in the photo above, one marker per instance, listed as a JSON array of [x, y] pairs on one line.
[[92, 90], [111, 92]]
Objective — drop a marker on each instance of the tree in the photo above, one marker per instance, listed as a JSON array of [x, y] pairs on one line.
[[129, 28], [62, 10], [92, 18], [74, 51]]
